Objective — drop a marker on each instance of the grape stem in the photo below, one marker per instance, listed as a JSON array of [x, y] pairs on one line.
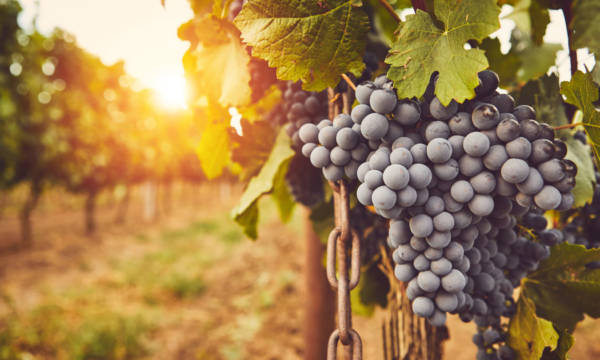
[[419, 5], [349, 82], [568, 14], [390, 9], [568, 126]]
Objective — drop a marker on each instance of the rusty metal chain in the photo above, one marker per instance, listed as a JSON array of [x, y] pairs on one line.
[[337, 253]]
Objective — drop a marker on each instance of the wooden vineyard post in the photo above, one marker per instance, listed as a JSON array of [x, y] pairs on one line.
[[319, 298], [407, 336]]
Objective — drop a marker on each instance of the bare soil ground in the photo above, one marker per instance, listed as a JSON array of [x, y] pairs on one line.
[[202, 290]]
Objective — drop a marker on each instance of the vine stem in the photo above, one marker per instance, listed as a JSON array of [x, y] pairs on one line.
[[568, 126], [348, 81], [568, 14], [419, 5], [389, 9]]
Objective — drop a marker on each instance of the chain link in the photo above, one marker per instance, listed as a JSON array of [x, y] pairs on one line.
[[337, 253]]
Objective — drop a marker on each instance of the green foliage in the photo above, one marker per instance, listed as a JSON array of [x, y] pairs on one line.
[[505, 65], [371, 291], [582, 92], [532, 17], [96, 335], [565, 342], [281, 194], [544, 95], [322, 219], [426, 45], [585, 25], [562, 288], [108, 336], [528, 334], [246, 212], [213, 149], [312, 41]]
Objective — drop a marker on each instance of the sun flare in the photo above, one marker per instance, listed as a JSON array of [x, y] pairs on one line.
[[171, 91]]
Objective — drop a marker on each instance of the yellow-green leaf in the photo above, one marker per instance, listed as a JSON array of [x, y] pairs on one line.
[[217, 61], [582, 92], [261, 184], [214, 149], [529, 334]]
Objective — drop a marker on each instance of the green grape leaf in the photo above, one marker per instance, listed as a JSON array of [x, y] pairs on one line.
[[580, 154], [531, 17], [563, 288], [582, 92], [529, 335], [536, 60], [252, 149], [322, 219], [262, 184], [585, 25], [248, 220], [214, 149], [544, 95], [372, 289], [216, 62], [312, 41], [565, 342], [385, 24], [426, 45], [505, 65], [281, 194]]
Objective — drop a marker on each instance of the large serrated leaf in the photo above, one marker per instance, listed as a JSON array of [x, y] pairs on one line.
[[426, 45], [261, 184], [312, 41], [582, 92], [528, 334], [563, 288], [585, 25]]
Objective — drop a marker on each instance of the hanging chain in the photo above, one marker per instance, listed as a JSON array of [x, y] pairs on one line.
[[337, 252]]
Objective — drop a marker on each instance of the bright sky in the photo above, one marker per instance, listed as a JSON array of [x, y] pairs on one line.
[[141, 32]]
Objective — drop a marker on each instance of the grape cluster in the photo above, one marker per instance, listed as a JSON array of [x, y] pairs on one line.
[[455, 180], [456, 191], [585, 223], [262, 77], [489, 340], [304, 181], [301, 107], [334, 146]]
